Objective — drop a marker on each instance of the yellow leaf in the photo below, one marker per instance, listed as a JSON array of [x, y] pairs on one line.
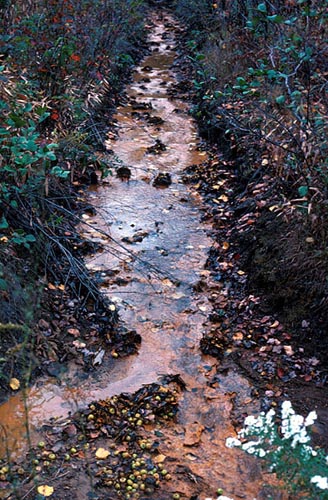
[[167, 282], [159, 459], [101, 453], [45, 490], [14, 384], [218, 185], [61, 287], [224, 198], [225, 245], [241, 273]]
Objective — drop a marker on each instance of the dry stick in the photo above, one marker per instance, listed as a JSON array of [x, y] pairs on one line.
[[74, 263], [238, 124]]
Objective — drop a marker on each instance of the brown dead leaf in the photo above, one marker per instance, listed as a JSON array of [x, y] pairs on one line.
[[74, 331], [238, 336]]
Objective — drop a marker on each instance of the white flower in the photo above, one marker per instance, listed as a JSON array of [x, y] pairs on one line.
[[302, 437], [286, 409], [250, 420], [231, 442], [310, 419], [250, 446], [269, 416], [320, 482], [296, 422], [292, 426]]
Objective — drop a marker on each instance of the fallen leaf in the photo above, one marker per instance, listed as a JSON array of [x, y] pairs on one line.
[[51, 286], [73, 331], [61, 287], [14, 384], [45, 490], [178, 295], [167, 282], [78, 344], [225, 245], [101, 453], [159, 459], [94, 435], [275, 324], [241, 273], [288, 350]]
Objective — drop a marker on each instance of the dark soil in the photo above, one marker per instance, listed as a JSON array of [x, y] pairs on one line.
[[268, 303]]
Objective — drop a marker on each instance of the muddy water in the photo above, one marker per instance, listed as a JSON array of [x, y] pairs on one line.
[[155, 254]]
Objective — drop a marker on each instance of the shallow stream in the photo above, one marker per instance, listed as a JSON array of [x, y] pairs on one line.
[[154, 256]]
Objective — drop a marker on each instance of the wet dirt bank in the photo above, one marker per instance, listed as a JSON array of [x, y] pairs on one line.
[[151, 268]]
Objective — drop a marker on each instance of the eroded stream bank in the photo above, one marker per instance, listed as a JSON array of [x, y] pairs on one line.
[[150, 264]]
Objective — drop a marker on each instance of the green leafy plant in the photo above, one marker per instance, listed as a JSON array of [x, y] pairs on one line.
[[284, 445]]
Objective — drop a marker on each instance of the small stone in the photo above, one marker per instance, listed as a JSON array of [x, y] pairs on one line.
[[162, 180], [124, 173]]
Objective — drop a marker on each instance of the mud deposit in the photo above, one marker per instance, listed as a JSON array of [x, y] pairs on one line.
[[153, 258]]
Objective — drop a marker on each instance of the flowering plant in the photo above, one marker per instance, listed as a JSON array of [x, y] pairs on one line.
[[284, 445]]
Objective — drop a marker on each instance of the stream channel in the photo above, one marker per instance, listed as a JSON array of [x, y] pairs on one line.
[[155, 255]]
